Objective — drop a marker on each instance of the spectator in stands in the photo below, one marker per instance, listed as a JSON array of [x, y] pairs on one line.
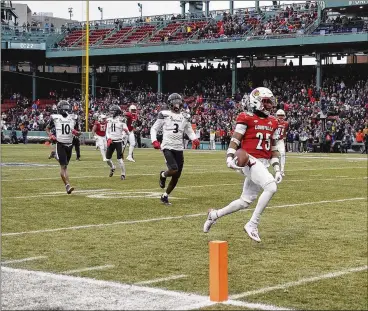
[[359, 136]]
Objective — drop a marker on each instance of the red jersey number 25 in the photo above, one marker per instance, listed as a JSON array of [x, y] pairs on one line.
[[264, 141]]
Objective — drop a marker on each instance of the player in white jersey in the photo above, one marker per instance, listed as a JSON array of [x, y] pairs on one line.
[[174, 124], [66, 125], [115, 129]]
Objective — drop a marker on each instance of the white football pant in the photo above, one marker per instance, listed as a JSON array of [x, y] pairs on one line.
[[281, 148], [212, 145], [257, 177], [131, 139], [102, 144]]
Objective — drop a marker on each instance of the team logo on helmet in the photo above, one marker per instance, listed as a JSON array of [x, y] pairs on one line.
[[256, 93]]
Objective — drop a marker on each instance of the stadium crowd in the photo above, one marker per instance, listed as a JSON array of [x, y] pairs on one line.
[[338, 112]]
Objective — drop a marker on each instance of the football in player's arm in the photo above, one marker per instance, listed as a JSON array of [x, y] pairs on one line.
[[173, 123], [255, 132], [66, 126]]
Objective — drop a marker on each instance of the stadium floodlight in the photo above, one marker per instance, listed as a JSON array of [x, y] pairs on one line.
[[101, 10], [140, 5], [70, 10]]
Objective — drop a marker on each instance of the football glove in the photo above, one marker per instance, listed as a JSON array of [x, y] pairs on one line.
[[231, 163], [109, 141], [156, 145], [52, 137], [278, 177], [196, 143], [75, 132]]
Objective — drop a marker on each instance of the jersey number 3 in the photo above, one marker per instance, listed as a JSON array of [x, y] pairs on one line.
[[176, 130], [267, 145]]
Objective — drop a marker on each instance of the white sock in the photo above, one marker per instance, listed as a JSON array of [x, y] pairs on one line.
[[263, 200], [282, 160], [165, 194], [109, 163], [103, 153], [131, 148], [234, 206], [122, 166]]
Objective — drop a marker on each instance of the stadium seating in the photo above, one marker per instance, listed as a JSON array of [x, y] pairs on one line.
[[139, 33], [117, 36]]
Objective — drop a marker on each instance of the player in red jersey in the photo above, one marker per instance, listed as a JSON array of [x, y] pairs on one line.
[[255, 132], [131, 118], [99, 133], [281, 131]]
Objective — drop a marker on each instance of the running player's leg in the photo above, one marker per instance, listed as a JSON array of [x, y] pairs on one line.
[[101, 143], [131, 146], [172, 171], [260, 176], [109, 152], [64, 154], [249, 194], [281, 148], [119, 153], [179, 159]]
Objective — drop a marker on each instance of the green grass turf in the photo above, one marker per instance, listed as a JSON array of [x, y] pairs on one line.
[[298, 241]]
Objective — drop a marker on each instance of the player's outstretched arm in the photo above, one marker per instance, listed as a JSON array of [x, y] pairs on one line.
[[94, 128], [157, 126], [192, 136]]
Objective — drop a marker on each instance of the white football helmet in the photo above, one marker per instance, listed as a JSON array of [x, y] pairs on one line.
[[262, 99], [102, 118], [280, 113], [132, 109]]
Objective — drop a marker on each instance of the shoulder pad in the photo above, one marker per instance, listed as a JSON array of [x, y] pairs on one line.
[[55, 116], [251, 114], [163, 114], [243, 117]]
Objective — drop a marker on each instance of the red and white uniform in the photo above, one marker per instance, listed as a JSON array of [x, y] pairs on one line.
[[131, 117], [281, 132], [100, 130], [258, 134]]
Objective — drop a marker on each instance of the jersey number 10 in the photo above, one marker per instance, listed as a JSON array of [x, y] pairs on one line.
[[65, 129]]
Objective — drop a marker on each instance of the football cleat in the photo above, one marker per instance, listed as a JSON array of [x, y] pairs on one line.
[[122, 177], [165, 200], [112, 172], [129, 158], [52, 155], [252, 231], [210, 220], [282, 174], [77, 159], [69, 189], [162, 180]]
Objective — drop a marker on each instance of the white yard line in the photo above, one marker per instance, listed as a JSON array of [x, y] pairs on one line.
[[88, 191], [299, 282], [129, 222], [6, 262], [169, 278], [88, 269], [24, 288]]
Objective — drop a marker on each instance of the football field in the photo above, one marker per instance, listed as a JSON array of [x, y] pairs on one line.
[[113, 245]]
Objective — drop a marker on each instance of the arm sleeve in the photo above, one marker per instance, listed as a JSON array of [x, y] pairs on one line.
[[108, 130], [189, 131], [157, 127], [50, 124]]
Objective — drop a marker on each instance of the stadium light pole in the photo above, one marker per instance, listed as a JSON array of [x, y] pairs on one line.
[[101, 10], [140, 9], [70, 10]]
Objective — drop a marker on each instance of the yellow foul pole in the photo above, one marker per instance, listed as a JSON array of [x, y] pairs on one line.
[[87, 64]]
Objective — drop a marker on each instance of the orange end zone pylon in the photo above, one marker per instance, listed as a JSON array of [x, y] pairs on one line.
[[219, 290]]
